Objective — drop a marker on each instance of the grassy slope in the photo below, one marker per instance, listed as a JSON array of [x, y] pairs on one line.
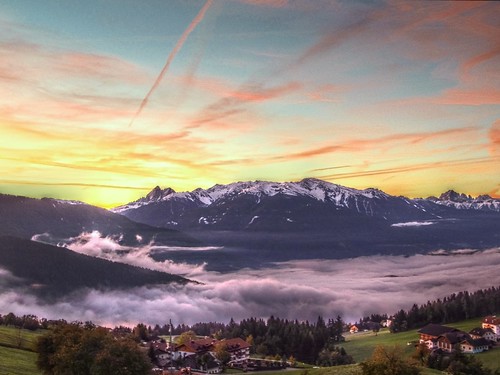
[[17, 362], [14, 360], [361, 345]]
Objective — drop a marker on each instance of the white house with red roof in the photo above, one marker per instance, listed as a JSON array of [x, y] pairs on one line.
[[493, 323]]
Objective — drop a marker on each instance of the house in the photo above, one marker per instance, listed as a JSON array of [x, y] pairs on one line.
[[431, 332], [161, 352], [197, 347], [449, 340], [239, 350], [439, 337], [493, 323], [483, 333], [354, 329], [201, 354], [471, 345]]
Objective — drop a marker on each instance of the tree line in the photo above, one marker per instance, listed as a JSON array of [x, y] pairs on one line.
[[311, 342]]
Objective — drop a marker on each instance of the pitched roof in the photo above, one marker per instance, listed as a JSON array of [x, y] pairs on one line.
[[197, 346], [235, 344], [476, 342], [435, 330], [455, 337], [480, 331], [492, 319]]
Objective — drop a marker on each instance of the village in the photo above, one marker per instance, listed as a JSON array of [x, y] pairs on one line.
[[206, 355], [211, 356]]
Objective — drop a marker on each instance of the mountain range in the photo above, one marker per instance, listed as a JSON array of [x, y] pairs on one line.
[[312, 218], [252, 224], [309, 204]]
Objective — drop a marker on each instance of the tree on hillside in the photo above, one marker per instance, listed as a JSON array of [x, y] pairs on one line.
[[71, 349], [334, 356], [388, 361], [185, 337], [221, 353]]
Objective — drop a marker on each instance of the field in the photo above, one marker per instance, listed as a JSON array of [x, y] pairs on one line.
[[361, 345], [16, 355]]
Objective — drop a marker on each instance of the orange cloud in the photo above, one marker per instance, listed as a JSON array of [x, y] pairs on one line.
[[464, 96], [411, 168], [355, 145], [236, 101], [494, 135], [471, 63]]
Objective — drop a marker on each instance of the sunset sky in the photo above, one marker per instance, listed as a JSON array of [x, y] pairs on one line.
[[399, 95]]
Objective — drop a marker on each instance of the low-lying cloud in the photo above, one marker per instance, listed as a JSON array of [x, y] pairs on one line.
[[109, 248], [297, 289]]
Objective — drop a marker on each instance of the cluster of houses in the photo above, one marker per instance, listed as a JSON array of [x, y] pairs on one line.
[[199, 355], [439, 337]]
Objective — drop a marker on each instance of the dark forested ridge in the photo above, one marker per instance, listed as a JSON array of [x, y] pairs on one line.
[[24, 217], [53, 271]]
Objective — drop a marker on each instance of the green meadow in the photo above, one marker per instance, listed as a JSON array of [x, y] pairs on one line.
[[16, 351], [361, 345]]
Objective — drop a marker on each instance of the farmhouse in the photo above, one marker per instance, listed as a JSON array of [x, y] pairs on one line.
[[483, 333], [436, 336], [354, 329], [239, 350], [493, 323], [470, 345], [431, 332]]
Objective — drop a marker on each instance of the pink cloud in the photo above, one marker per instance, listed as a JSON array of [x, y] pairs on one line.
[[474, 61], [412, 167], [101, 67], [465, 96], [357, 145], [235, 102], [494, 135]]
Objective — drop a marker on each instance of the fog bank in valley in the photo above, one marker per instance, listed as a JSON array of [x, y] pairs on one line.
[[295, 289]]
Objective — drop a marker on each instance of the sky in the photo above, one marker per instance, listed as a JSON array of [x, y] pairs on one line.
[[103, 99]]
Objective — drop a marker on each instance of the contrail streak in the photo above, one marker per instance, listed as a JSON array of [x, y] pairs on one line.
[[172, 55]]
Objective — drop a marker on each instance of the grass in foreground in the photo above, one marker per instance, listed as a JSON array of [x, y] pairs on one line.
[[16, 351], [19, 339], [17, 362]]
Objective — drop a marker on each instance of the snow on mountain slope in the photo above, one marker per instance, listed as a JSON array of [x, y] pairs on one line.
[[313, 188], [310, 205], [466, 202]]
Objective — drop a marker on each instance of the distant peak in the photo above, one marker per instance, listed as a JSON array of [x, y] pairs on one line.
[[157, 193], [453, 196]]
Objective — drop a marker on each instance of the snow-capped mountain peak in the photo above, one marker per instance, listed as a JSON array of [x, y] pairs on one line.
[[462, 201], [309, 187]]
